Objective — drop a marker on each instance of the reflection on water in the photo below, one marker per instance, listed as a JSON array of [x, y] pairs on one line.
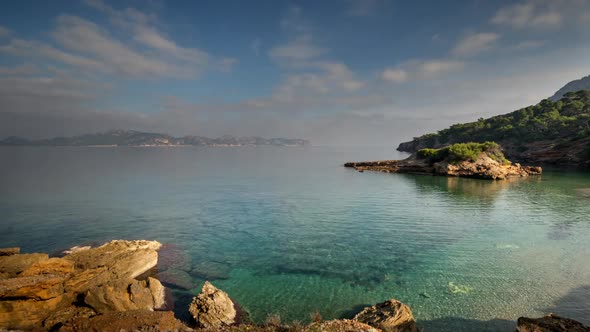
[[291, 231]]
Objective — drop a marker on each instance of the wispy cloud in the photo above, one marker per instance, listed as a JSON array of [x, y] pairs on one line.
[[298, 49], [475, 43], [542, 14], [421, 69], [4, 32], [363, 7]]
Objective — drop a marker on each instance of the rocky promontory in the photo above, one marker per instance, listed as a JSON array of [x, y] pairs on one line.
[[470, 160], [113, 287]]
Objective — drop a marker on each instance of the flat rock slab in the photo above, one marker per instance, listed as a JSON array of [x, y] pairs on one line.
[[15, 264], [9, 251]]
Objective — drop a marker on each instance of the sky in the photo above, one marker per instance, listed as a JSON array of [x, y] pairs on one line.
[[348, 72]]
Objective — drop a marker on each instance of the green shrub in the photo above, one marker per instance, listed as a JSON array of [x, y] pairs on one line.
[[463, 152]]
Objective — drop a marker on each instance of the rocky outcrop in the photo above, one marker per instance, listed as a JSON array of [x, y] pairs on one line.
[[135, 320], [482, 168], [339, 325], [213, 308], [9, 251], [391, 315], [37, 291], [550, 323]]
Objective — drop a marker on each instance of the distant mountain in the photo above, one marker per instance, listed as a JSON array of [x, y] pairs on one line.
[[556, 132], [573, 86], [138, 138]]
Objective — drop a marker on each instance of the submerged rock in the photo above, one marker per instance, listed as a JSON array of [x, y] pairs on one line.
[[550, 323], [176, 279], [213, 308], [459, 289], [391, 315]]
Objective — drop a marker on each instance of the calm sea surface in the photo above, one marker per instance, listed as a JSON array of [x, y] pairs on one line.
[[291, 231]]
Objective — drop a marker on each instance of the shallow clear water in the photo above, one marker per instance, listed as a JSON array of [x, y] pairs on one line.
[[291, 231]]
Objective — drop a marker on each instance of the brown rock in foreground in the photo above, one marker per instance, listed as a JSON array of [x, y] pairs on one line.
[[550, 323], [213, 308], [341, 325], [9, 251], [136, 320], [392, 316]]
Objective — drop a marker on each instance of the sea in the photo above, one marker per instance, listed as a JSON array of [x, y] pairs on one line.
[[289, 231]]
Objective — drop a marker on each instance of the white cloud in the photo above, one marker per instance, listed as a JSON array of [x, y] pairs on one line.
[[546, 14], [528, 44], [25, 69], [475, 43], [298, 49], [420, 70], [395, 75]]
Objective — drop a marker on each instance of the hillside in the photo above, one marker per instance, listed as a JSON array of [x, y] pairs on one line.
[[138, 138], [556, 132], [573, 86]]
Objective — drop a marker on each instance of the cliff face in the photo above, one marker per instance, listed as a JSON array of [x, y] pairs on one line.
[[549, 132], [573, 86]]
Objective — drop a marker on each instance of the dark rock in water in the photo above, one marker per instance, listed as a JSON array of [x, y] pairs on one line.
[[214, 309], [135, 320], [176, 279], [391, 315], [424, 295], [9, 251], [211, 271], [550, 323], [171, 257]]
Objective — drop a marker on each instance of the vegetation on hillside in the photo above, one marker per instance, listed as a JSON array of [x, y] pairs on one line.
[[463, 152], [565, 120]]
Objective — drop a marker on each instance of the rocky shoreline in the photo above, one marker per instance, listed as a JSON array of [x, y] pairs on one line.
[[483, 167], [115, 287]]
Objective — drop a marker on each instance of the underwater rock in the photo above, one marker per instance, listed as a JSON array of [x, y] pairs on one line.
[[459, 289], [213, 308], [550, 323], [171, 257], [211, 271], [424, 295], [176, 279], [391, 315]]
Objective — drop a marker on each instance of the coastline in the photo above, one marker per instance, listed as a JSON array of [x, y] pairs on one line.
[[115, 286]]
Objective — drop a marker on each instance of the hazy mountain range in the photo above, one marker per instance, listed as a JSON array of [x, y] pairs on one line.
[[138, 138]]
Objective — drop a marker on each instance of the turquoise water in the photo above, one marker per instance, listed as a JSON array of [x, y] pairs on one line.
[[291, 231]]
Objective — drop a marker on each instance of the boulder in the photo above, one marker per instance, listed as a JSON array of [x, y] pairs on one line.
[[124, 295], [550, 323], [124, 259], [135, 320], [391, 315], [9, 251], [15, 264], [213, 308]]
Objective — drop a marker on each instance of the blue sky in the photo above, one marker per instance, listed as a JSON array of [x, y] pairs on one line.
[[362, 72]]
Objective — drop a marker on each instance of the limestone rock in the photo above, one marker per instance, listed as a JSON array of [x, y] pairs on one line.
[[26, 314], [124, 259], [341, 325], [136, 320], [66, 316], [15, 264], [9, 251], [213, 308], [158, 293], [122, 295], [550, 323], [41, 287], [49, 266], [391, 315]]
